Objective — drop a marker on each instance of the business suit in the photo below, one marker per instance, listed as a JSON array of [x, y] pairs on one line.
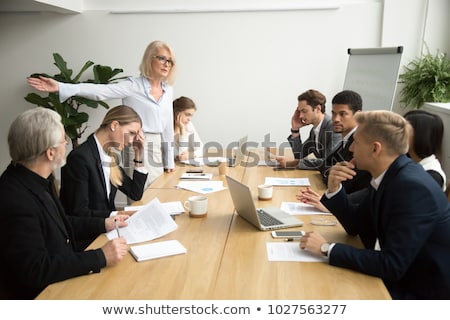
[[327, 141], [37, 240], [83, 188], [410, 216], [343, 153]]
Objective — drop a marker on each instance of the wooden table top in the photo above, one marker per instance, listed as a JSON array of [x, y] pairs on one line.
[[226, 256]]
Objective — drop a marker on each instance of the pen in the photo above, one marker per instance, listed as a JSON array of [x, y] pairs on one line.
[[117, 227], [289, 239]]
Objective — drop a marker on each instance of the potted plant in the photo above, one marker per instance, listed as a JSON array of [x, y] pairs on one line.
[[426, 79], [73, 119]]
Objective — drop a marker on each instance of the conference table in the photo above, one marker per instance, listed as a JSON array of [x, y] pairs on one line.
[[226, 256]]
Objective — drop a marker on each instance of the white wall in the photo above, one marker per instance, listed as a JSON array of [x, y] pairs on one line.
[[243, 69]]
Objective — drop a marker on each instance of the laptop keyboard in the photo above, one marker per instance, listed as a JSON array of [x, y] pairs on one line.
[[266, 219]]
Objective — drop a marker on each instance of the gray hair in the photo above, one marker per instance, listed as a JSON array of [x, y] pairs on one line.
[[32, 133]]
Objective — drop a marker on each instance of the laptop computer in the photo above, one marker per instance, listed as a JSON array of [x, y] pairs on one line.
[[269, 218], [239, 155]]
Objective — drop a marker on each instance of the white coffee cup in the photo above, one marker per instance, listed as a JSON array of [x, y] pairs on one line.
[[197, 206], [265, 192]]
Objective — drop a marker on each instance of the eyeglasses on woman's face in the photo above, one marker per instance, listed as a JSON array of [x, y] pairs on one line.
[[163, 60]]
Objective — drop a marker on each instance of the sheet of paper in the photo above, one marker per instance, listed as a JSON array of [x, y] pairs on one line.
[[157, 250], [274, 181], [299, 208], [150, 222], [173, 207], [209, 161], [269, 163], [202, 187], [290, 251]]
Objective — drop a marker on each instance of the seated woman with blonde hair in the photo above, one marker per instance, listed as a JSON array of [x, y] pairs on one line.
[[92, 175]]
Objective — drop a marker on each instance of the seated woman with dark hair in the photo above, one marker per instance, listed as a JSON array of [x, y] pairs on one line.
[[187, 141], [425, 142]]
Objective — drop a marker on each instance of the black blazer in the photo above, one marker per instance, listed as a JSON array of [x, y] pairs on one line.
[[83, 189], [343, 153], [410, 216], [37, 240], [327, 139]]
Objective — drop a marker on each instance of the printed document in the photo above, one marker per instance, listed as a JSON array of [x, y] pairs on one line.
[[299, 208], [150, 222], [172, 207], [202, 187], [290, 251], [300, 182], [209, 161]]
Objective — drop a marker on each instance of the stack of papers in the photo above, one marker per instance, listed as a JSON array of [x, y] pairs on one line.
[[196, 176], [157, 250]]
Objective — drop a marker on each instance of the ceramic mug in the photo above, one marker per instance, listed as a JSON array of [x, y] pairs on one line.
[[265, 192], [197, 206]]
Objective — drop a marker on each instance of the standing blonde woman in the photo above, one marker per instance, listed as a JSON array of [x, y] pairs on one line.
[[150, 94]]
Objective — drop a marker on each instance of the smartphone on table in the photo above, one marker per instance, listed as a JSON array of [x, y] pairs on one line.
[[194, 171], [288, 234]]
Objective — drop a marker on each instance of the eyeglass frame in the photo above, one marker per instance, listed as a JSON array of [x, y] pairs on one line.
[[163, 60], [66, 141]]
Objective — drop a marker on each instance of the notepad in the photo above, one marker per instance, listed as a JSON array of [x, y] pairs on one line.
[[157, 250]]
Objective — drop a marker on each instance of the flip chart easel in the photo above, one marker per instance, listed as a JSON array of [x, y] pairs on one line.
[[373, 73]]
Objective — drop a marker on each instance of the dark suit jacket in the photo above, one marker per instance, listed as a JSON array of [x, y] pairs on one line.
[[328, 140], [83, 188], [343, 153], [37, 238], [410, 216]]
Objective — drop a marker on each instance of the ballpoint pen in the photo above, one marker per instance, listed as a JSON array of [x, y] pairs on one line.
[[292, 239], [117, 227]]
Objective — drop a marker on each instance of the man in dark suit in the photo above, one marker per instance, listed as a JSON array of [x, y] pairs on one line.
[[403, 222], [321, 141], [37, 239], [345, 105]]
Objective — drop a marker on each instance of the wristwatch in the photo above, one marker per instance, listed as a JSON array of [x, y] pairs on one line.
[[324, 247]]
